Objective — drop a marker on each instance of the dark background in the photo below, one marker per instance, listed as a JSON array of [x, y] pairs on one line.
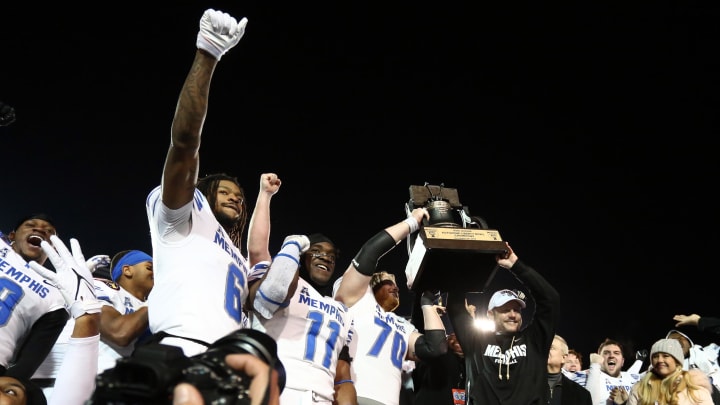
[[585, 133]]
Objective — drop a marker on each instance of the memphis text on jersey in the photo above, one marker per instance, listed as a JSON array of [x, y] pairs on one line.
[[389, 318], [226, 246], [11, 292], [331, 310]]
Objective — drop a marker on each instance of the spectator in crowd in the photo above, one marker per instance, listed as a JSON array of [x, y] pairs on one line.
[[384, 339], [509, 365], [573, 361], [563, 391], [667, 383], [605, 378], [702, 358], [573, 367], [698, 356]]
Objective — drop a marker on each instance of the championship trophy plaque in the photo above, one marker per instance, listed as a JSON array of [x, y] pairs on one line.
[[452, 250]]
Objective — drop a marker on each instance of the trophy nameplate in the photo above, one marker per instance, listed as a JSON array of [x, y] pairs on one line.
[[450, 259]]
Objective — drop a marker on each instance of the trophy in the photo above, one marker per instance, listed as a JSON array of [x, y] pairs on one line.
[[452, 250]]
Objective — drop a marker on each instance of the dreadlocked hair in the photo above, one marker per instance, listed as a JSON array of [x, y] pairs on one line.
[[208, 185]]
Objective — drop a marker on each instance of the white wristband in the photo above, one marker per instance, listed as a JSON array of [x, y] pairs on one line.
[[412, 223]]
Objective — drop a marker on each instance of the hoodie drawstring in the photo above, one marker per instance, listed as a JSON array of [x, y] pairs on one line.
[[507, 363]]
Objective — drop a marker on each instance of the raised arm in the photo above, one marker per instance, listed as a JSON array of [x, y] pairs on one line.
[[356, 278], [433, 342], [122, 329], [218, 33], [703, 323], [76, 377], [278, 284], [259, 230]]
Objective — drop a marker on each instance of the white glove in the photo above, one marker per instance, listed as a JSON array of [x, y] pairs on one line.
[[273, 290], [73, 279], [219, 32], [302, 242], [97, 261]]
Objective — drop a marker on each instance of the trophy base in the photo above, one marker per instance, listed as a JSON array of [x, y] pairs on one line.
[[453, 259]]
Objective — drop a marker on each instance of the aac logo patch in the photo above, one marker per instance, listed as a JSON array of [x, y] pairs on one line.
[[109, 283]]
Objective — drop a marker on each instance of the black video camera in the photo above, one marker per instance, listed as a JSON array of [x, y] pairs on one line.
[[151, 373]]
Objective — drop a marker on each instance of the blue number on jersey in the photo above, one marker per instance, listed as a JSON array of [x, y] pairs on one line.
[[317, 320], [10, 295], [233, 295], [397, 354]]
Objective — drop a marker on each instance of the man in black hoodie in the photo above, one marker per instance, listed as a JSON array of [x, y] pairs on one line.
[[509, 365]]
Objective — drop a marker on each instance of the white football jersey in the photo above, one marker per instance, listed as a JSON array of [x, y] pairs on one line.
[[25, 296], [382, 344], [600, 384], [111, 293], [310, 333], [201, 280]]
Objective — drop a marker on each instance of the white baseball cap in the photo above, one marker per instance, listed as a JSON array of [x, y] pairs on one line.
[[502, 297]]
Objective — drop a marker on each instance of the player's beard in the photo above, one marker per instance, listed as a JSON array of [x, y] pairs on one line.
[[225, 220], [388, 302]]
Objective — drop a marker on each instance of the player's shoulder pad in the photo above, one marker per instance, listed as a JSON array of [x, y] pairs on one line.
[[113, 285]]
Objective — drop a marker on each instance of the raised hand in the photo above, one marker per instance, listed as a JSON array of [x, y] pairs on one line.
[[97, 261], [73, 278], [219, 32], [270, 183], [301, 241], [427, 298], [682, 320]]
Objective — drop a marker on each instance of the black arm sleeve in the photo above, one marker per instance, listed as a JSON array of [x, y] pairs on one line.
[[709, 324], [38, 344], [366, 259], [432, 344]]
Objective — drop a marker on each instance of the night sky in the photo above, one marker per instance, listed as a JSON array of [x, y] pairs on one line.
[[585, 134]]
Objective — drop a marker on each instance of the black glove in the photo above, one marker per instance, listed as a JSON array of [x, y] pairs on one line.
[[7, 114], [641, 355], [427, 298]]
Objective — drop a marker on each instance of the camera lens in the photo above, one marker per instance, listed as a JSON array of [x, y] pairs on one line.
[[253, 342]]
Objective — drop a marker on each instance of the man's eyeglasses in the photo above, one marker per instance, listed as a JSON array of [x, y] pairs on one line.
[[327, 257]]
